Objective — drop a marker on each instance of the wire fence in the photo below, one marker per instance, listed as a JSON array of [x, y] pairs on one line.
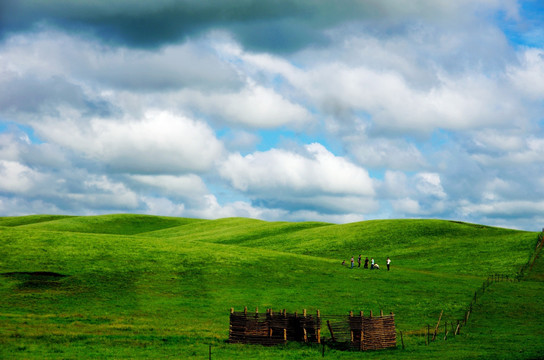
[[447, 328]]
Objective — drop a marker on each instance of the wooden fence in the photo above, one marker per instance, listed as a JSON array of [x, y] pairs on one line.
[[273, 328], [358, 332], [364, 332], [455, 326]]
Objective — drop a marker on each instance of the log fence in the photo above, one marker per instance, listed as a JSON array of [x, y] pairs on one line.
[[358, 332]]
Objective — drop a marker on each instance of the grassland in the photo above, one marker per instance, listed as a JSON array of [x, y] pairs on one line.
[[137, 286]]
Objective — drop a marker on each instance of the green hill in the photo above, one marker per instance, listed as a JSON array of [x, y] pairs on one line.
[[134, 286]]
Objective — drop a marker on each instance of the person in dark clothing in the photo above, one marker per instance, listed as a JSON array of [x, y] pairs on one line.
[[366, 263], [359, 261]]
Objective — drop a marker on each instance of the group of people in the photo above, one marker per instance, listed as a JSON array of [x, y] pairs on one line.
[[373, 264]]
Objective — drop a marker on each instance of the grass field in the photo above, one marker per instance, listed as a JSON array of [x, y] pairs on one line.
[[134, 286]]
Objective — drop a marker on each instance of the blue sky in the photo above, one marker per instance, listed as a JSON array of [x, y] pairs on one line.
[[296, 110]]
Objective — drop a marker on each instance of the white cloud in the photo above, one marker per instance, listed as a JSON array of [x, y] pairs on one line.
[[430, 184], [254, 106], [19, 178], [317, 170], [508, 209], [528, 76], [100, 192], [91, 63], [161, 142], [310, 179]]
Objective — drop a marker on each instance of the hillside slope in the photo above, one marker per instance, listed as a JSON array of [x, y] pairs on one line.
[[128, 286]]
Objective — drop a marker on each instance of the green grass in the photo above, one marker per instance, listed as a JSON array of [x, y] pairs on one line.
[[157, 287]]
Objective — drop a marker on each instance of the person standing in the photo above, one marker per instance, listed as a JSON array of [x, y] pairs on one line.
[[372, 264], [352, 261], [388, 263], [359, 261], [366, 263]]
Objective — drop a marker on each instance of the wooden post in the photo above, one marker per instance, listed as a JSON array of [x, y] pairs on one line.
[[323, 350], [370, 313], [428, 334], [350, 328], [284, 334], [245, 310], [381, 312], [437, 325], [458, 327], [330, 330], [361, 345], [232, 310], [304, 312], [305, 334], [319, 329], [402, 340]]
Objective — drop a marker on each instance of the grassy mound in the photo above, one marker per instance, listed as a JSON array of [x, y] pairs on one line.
[[152, 287]]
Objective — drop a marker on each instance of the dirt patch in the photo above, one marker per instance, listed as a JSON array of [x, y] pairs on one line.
[[36, 280]]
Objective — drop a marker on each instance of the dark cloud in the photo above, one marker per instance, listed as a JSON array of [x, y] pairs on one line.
[[273, 25], [151, 24]]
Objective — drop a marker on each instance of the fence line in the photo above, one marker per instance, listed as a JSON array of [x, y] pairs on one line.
[[358, 332], [456, 325]]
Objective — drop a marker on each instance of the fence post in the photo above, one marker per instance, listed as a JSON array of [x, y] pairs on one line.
[[428, 334], [350, 327], [330, 330], [437, 325], [362, 345], [318, 323]]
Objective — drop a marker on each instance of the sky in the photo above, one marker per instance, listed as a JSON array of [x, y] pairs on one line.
[[295, 110]]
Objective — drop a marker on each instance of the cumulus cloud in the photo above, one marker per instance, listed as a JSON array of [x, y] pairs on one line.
[[18, 178], [161, 142], [254, 106], [528, 76], [100, 192], [316, 169], [57, 54], [312, 178]]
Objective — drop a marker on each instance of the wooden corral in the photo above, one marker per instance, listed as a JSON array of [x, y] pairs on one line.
[[358, 331], [273, 328]]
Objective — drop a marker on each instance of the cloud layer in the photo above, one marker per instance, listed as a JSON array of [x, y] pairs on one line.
[[300, 110]]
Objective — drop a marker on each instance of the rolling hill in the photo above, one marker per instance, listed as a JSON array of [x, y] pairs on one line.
[[135, 286]]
